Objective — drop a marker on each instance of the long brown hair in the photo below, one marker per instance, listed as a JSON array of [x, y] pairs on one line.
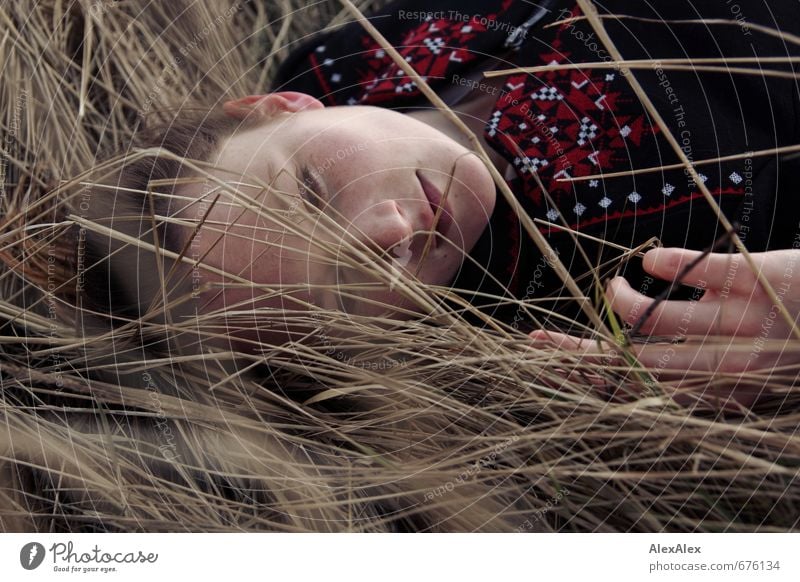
[[119, 279]]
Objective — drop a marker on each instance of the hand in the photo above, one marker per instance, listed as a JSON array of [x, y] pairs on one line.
[[738, 344]]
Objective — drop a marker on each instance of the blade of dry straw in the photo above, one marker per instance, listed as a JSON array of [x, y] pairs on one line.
[[703, 162], [786, 36], [700, 64]]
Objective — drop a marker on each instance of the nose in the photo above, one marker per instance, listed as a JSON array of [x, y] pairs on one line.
[[382, 225]]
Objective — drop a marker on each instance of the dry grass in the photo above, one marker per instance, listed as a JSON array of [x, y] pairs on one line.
[[436, 424]]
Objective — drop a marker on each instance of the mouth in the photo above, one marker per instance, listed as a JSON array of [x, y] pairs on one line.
[[438, 206]]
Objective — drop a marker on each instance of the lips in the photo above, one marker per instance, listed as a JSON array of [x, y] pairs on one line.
[[435, 198]]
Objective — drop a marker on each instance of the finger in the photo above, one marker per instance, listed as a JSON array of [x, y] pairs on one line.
[[677, 361], [690, 360], [719, 271], [586, 351], [707, 375], [708, 372], [591, 349], [669, 318], [712, 271], [542, 338], [580, 359], [609, 368]]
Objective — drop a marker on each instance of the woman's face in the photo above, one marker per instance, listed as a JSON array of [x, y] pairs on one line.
[[340, 177]]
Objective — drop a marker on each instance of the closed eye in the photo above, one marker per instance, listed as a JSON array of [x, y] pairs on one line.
[[310, 188]]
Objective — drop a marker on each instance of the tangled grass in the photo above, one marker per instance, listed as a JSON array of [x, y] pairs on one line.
[[434, 424]]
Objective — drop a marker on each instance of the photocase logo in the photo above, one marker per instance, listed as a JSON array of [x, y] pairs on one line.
[[31, 555]]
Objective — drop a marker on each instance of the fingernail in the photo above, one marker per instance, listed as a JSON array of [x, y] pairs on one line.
[[539, 337]]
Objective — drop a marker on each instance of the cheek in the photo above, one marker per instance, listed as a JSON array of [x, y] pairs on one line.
[[254, 264], [351, 167], [472, 198], [266, 283], [479, 184], [285, 261]]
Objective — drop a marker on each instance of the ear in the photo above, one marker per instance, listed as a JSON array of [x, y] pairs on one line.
[[270, 104]]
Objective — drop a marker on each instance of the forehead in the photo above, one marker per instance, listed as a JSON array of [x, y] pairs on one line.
[[339, 124]]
